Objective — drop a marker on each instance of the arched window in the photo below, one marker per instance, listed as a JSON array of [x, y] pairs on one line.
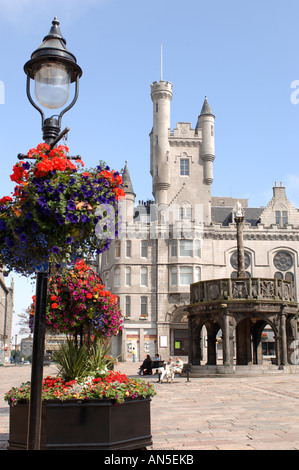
[[278, 275], [289, 277]]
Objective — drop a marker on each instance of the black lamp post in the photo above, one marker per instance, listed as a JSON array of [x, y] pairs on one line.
[[53, 68]]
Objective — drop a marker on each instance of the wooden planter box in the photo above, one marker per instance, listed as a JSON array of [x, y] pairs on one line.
[[85, 425]]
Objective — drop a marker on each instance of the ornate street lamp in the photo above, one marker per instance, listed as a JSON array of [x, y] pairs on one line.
[[53, 68]]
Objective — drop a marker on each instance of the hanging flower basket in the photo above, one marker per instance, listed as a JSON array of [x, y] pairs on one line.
[[78, 301], [58, 212]]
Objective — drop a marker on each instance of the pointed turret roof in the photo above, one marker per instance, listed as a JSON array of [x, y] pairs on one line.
[[127, 183], [205, 107]]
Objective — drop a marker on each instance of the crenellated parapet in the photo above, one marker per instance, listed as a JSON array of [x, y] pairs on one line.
[[161, 89]]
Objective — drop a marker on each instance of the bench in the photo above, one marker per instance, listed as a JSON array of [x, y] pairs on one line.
[[171, 373], [155, 365]]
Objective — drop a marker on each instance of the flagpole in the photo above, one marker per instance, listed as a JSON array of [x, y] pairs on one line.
[[161, 62]]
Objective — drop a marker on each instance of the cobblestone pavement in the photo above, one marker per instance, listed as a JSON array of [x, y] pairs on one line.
[[248, 413]]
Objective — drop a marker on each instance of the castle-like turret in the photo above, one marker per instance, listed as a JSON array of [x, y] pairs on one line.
[[205, 122], [130, 195], [161, 94]]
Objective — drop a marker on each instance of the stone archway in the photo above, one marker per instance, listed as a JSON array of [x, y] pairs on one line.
[[248, 340], [257, 340], [197, 331], [242, 307], [179, 341]]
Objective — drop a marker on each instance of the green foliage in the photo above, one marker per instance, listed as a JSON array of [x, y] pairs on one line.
[[72, 360], [79, 362], [99, 360]]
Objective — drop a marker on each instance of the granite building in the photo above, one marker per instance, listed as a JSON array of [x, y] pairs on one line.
[[6, 317], [186, 235]]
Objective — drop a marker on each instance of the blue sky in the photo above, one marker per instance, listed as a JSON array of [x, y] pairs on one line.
[[243, 55]]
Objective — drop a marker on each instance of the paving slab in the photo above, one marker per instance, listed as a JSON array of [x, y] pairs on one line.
[[208, 413]]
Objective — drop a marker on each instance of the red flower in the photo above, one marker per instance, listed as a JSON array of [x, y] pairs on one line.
[[119, 179], [19, 174], [5, 199], [120, 194]]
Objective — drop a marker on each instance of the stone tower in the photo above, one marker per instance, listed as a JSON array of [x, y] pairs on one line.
[[161, 94], [130, 195], [206, 124], [182, 159]]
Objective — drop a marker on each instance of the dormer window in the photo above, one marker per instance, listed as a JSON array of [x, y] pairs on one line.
[[281, 218]]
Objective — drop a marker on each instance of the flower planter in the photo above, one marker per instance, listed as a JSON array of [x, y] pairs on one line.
[[85, 425]]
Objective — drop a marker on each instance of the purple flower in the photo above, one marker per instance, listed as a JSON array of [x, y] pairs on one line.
[[34, 226], [42, 201], [84, 218], [55, 249], [69, 240], [59, 219], [9, 242], [72, 218], [2, 225], [23, 237], [71, 206]]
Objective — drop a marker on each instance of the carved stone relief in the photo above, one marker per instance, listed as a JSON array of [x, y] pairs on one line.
[[239, 289], [213, 290], [267, 289]]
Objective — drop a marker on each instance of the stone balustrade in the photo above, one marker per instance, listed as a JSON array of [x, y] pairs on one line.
[[242, 289]]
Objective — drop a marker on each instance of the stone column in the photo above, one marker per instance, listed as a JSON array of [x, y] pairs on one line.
[[239, 219], [226, 341], [195, 342], [283, 336]]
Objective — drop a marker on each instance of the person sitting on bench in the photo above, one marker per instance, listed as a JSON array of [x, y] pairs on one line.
[[146, 366], [176, 368], [165, 371]]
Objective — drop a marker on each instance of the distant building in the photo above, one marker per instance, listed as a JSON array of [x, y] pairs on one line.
[[185, 235], [6, 315], [26, 346]]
